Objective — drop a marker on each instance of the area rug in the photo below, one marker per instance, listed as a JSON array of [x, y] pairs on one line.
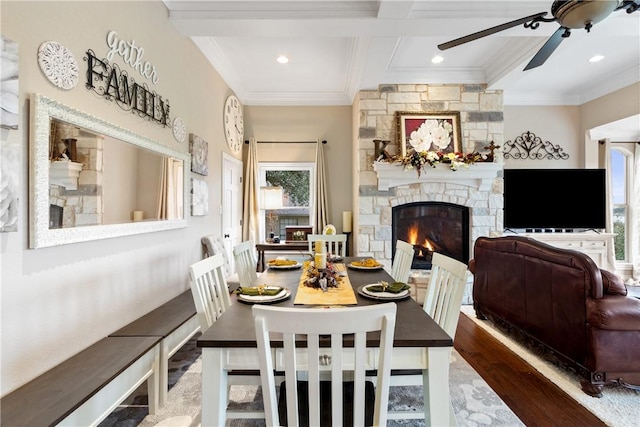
[[474, 402], [618, 407]]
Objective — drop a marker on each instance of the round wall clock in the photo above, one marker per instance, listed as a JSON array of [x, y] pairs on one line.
[[179, 129], [233, 123], [58, 64]]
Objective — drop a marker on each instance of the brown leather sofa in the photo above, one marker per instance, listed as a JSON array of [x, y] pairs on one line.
[[558, 300]]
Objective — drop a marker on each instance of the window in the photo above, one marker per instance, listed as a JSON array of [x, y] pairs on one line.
[[297, 182], [621, 183]]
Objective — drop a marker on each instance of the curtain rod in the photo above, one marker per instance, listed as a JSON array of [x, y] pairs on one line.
[[287, 142], [620, 142]]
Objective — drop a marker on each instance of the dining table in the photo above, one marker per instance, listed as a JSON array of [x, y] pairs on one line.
[[420, 344]]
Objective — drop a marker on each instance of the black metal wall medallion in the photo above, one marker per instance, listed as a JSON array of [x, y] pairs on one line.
[[530, 146]]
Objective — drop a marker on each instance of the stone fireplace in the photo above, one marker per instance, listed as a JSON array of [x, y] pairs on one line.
[[384, 186], [471, 197]]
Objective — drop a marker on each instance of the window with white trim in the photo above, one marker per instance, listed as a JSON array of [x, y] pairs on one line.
[[621, 183]]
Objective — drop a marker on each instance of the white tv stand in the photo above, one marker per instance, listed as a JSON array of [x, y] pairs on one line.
[[596, 245]]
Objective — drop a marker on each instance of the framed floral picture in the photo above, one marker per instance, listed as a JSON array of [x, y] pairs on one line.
[[199, 197], [420, 131]]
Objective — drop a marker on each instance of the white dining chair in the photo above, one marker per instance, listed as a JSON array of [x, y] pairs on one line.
[[442, 302], [402, 260], [211, 298], [209, 289], [445, 291], [244, 255], [336, 244], [301, 401]]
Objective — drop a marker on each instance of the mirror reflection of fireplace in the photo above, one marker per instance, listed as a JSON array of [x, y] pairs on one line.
[[432, 227]]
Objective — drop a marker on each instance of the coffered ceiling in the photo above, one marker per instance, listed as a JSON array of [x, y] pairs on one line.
[[337, 48]]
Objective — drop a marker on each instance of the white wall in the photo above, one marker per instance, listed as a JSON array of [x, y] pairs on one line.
[[56, 301], [332, 124], [558, 125], [568, 126]]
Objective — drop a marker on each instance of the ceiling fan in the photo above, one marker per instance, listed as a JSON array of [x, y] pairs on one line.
[[570, 14]]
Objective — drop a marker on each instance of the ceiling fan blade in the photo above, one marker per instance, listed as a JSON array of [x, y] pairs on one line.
[[489, 31], [545, 51]]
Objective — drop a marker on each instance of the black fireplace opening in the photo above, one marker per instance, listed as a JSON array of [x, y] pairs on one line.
[[432, 227]]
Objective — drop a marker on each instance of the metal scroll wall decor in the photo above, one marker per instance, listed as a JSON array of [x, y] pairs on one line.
[[530, 146]]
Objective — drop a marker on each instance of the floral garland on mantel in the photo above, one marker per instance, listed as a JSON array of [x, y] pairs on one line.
[[422, 159]]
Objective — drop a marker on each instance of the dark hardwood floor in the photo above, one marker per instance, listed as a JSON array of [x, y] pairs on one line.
[[532, 397]]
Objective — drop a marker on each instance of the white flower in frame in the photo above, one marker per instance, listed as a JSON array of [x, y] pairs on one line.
[[199, 197]]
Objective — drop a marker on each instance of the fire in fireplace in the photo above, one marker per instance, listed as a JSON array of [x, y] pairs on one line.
[[432, 227]]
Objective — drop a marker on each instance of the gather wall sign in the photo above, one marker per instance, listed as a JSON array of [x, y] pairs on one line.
[[114, 84]]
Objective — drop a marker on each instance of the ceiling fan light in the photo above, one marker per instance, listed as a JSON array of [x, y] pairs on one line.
[[596, 58], [282, 59], [582, 13], [437, 59]]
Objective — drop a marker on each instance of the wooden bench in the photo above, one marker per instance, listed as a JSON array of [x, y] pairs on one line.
[[84, 389], [174, 322]]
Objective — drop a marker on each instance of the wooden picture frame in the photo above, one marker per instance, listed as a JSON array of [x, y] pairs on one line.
[[428, 131]]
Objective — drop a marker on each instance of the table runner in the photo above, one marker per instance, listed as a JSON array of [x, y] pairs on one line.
[[342, 295]]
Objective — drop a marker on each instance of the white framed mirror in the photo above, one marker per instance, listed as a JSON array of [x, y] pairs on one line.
[[90, 179]]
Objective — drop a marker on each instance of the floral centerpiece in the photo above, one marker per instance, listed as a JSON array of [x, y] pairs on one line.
[[321, 279]]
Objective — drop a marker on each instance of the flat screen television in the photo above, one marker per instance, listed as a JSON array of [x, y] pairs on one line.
[[554, 199]]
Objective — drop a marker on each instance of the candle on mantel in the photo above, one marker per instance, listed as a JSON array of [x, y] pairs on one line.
[[347, 218]]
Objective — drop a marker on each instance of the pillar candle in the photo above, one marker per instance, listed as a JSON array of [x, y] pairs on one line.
[[347, 217], [138, 215], [320, 247], [320, 260]]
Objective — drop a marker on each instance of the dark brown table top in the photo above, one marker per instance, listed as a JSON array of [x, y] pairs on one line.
[[414, 327], [302, 245]]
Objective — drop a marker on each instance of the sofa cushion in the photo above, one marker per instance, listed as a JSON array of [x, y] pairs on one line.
[[614, 313], [612, 284]]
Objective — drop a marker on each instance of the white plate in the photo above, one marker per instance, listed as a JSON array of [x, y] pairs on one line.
[[359, 267], [329, 229], [285, 267], [261, 299], [362, 290]]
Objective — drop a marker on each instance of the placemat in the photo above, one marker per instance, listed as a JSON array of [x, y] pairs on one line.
[[342, 295]]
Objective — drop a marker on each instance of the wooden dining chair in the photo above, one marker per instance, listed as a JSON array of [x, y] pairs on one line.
[[209, 289], [402, 260], [244, 254], [319, 401], [336, 243], [442, 302], [211, 298]]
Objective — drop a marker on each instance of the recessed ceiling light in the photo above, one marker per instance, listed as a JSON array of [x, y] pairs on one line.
[[282, 59], [437, 59], [596, 58]]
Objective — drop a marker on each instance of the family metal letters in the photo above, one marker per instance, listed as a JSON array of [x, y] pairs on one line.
[[108, 81]]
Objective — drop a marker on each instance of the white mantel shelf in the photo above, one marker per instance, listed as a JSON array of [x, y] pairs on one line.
[[479, 175]]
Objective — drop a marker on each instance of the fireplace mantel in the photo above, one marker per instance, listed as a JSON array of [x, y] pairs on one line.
[[479, 175]]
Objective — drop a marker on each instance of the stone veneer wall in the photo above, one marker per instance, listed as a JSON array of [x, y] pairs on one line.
[[481, 115]]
